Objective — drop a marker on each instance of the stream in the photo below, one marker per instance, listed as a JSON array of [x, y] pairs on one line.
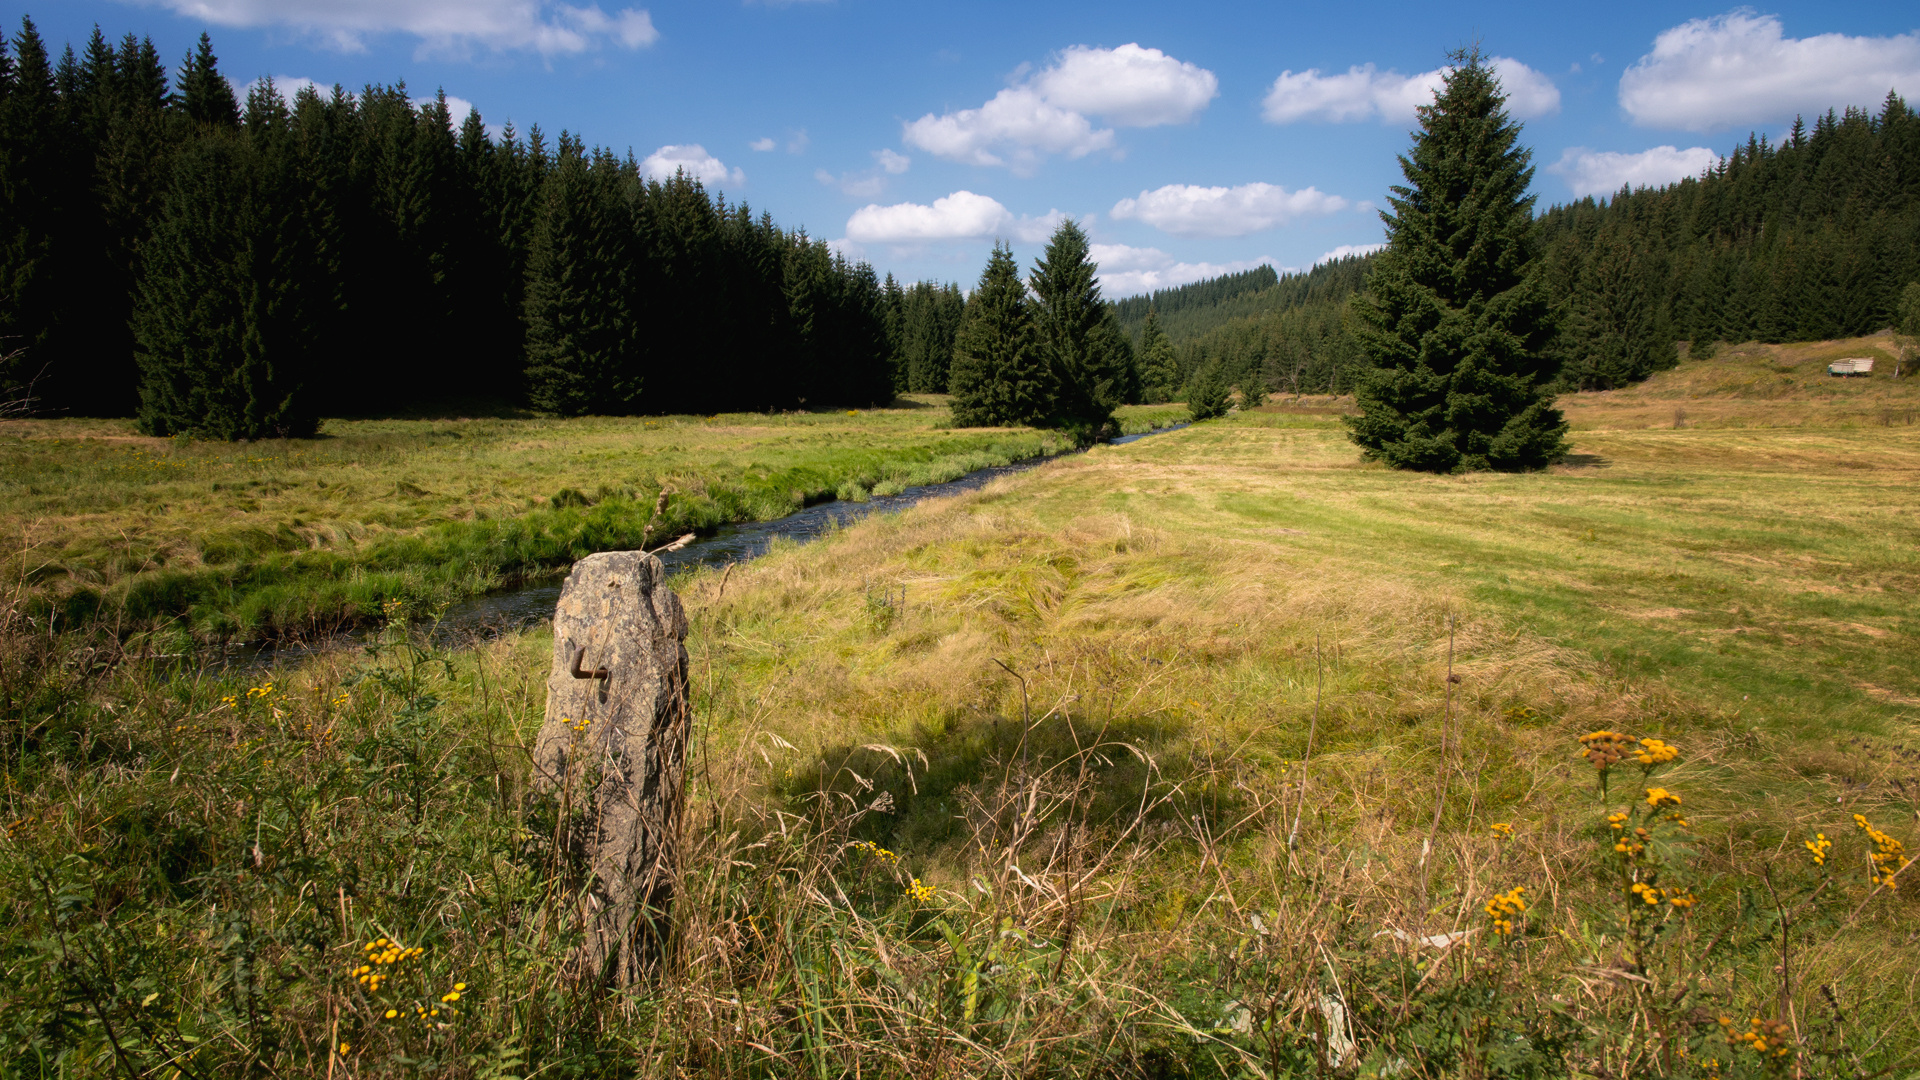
[[513, 609]]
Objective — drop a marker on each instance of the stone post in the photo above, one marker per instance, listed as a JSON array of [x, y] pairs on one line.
[[613, 751]]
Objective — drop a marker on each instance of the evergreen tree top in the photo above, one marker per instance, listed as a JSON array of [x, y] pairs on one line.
[[1467, 179], [204, 92], [1065, 272], [32, 72]]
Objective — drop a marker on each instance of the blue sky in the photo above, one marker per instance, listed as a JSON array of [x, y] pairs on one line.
[[1191, 139]]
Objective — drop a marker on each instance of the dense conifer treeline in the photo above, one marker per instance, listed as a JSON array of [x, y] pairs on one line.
[[1207, 298], [1811, 239], [272, 262], [241, 268], [922, 321]]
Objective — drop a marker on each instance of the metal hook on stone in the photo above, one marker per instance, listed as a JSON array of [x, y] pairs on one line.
[[579, 655]]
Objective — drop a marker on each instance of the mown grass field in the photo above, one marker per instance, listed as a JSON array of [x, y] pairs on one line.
[[282, 536], [1147, 762]]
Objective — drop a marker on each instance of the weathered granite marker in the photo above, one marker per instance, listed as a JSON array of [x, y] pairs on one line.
[[613, 749]]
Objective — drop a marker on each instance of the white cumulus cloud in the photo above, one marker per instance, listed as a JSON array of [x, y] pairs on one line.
[[1591, 172], [761, 145], [1364, 92], [1015, 128], [1741, 68], [1129, 86], [1131, 271], [1049, 112], [1190, 210], [892, 162], [548, 27], [1346, 251], [962, 215], [694, 160]]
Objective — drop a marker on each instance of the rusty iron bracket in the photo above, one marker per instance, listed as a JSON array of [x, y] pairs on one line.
[[579, 655]]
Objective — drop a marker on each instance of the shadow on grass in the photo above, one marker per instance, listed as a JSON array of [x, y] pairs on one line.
[[975, 774]]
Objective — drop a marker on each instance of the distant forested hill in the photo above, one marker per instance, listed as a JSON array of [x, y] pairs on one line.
[[1187, 311], [1279, 331], [1811, 239]]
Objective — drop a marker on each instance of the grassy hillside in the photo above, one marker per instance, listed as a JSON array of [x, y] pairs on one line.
[[1763, 385], [1277, 736]]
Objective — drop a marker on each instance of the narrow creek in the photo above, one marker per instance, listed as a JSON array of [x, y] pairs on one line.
[[513, 609]]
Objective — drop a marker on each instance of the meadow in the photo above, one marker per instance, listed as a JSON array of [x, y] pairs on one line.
[[1221, 753], [279, 537]]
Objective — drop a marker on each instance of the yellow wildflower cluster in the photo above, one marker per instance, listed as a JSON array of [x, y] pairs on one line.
[[254, 694], [1819, 846], [1888, 856], [920, 893], [1605, 749], [1504, 906], [876, 851], [1654, 752], [1762, 1036], [579, 726], [1502, 830], [1680, 898], [1628, 844], [381, 953], [1660, 798]]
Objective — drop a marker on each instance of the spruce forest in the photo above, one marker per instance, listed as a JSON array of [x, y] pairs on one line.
[[1816, 237], [237, 268], [338, 241]]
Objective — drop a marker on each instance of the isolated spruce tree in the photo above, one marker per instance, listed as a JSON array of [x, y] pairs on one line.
[[1159, 370], [1456, 318], [1087, 373], [999, 376]]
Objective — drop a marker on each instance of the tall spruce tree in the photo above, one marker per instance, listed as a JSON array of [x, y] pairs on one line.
[[1088, 380], [999, 374], [1456, 318]]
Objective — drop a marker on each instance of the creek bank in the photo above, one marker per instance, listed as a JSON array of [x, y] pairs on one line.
[[513, 609]]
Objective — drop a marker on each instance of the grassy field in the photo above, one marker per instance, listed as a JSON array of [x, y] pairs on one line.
[[288, 535], [1221, 753]]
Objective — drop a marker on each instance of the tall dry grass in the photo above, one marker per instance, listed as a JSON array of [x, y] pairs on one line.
[[1037, 782]]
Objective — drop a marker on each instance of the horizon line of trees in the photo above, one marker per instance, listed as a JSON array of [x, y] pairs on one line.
[[240, 269], [1815, 238], [233, 269]]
